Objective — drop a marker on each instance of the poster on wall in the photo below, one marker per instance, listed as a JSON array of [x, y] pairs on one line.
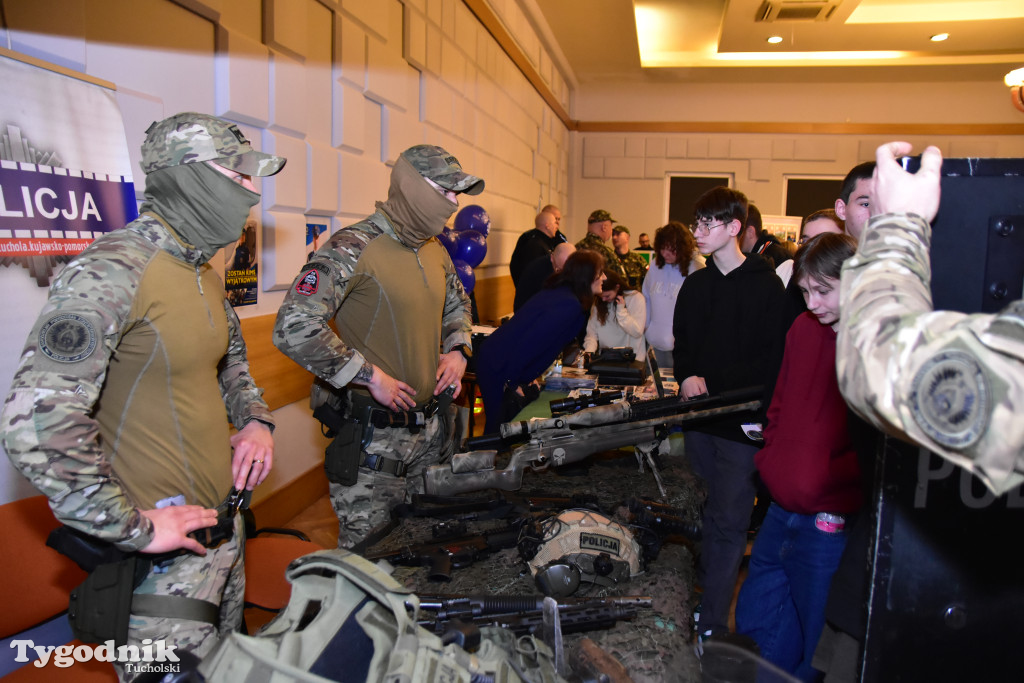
[[241, 266], [65, 179], [65, 174], [314, 237], [785, 228]]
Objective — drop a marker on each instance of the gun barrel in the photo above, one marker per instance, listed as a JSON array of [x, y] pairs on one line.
[[575, 615], [498, 604]]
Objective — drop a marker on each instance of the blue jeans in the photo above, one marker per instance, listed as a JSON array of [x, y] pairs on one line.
[[782, 602], [728, 469]]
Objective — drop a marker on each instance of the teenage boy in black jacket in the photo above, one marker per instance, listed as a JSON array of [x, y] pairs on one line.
[[729, 328]]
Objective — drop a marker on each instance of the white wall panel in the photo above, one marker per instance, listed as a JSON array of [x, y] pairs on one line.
[[322, 193], [375, 15], [288, 105], [242, 78], [285, 26], [348, 120], [350, 51]]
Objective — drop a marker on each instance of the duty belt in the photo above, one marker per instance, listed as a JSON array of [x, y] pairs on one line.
[[413, 420], [379, 463], [366, 412]]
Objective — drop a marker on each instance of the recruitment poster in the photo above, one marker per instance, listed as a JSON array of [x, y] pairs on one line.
[[241, 267], [65, 179]]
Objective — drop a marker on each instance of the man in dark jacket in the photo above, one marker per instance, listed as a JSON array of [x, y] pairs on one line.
[[540, 241], [756, 240]]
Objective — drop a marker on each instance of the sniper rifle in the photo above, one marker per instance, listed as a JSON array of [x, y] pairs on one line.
[[570, 438]]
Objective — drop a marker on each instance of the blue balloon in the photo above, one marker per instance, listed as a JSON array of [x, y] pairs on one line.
[[471, 248], [450, 239], [466, 274], [473, 217]]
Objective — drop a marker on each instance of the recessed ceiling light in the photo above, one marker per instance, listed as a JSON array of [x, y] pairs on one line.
[[939, 37], [774, 39]]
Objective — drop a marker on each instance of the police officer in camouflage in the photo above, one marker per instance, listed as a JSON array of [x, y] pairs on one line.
[[632, 263], [119, 409], [403, 338], [599, 231], [950, 382]]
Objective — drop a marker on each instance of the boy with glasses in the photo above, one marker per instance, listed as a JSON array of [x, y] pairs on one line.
[[729, 328]]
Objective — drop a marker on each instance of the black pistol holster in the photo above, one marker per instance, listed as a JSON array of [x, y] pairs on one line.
[[349, 428], [100, 608]]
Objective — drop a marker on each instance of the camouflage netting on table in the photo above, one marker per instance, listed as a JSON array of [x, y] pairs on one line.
[[655, 645]]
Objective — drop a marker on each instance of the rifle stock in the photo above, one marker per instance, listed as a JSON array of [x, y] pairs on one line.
[[570, 438]]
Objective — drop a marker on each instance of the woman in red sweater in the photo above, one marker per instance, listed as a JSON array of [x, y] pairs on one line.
[[810, 468]]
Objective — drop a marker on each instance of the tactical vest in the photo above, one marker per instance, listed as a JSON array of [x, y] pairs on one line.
[[347, 620]]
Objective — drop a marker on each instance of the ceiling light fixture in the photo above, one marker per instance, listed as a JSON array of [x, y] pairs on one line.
[[939, 37], [808, 56], [774, 40]]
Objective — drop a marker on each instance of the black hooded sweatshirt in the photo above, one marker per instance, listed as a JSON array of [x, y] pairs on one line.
[[731, 330]]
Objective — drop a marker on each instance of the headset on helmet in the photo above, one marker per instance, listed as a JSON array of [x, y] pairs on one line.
[[579, 546]]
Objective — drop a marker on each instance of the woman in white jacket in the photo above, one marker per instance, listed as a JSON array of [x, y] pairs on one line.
[[617, 318]]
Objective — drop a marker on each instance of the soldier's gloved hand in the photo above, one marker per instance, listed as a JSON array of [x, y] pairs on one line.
[[172, 524], [253, 455], [390, 392]]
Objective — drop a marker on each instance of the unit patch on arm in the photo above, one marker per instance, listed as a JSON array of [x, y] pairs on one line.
[[949, 399], [67, 338], [310, 280]]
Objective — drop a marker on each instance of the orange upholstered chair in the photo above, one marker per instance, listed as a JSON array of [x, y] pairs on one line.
[[266, 558], [35, 582]]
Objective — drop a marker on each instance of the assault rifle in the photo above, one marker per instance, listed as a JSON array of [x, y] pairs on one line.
[[523, 615], [570, 438], [452, 548]]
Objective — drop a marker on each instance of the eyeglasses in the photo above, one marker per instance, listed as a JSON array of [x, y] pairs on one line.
[[705, 229]]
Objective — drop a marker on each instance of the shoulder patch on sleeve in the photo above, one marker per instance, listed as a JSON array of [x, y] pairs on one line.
[[949, 399], [67, 338], [309, 282]]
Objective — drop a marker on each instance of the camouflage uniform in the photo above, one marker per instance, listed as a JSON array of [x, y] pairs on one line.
[[118, 401], [397, 303], [595, 243], [950, 382], [634, 266], [218, 576]]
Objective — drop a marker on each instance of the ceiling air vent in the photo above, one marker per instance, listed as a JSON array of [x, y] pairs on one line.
[[796, 10]]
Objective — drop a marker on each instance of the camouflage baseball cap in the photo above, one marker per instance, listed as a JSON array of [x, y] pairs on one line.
[[190, 137], [620, 228], [444, 169], [599, 216]]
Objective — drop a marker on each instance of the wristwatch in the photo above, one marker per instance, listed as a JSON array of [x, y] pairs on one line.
[[466, 350]]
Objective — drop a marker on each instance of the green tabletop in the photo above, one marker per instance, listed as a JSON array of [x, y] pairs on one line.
[[539, 407]]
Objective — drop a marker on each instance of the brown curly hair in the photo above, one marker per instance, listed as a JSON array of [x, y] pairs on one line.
[[676, 236]]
